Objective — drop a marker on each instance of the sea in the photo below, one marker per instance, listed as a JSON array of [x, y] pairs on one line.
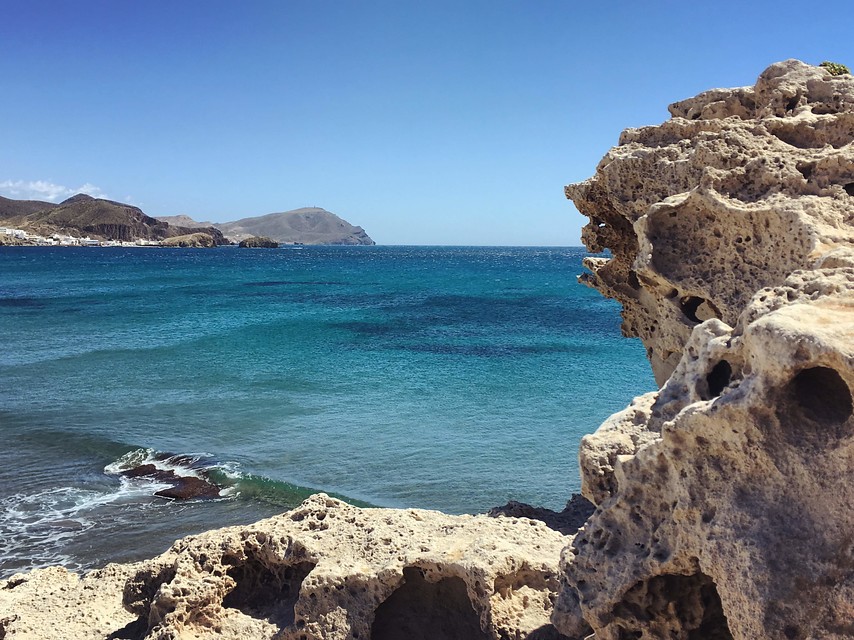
[[450, 378]]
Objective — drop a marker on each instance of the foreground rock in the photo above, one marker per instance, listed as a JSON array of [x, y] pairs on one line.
[[738, 190], [726, 499], [325, 570]]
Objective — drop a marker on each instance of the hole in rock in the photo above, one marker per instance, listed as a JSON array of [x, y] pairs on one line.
[[821, 395], [136, 630], [633, 281], [141, 589], [421, 610], [697, 309], [849, 188], [793, 103], [791, 631], [806, 169], [265, 592], [689, 305], [673, 606], [797, 137], [718, 379], [548, 632]]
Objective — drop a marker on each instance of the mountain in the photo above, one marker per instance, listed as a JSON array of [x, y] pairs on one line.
[[83, 215], [184, 221], [310, 225], [96, 217], [17, 208]]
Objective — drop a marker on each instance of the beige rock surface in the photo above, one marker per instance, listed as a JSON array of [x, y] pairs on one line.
[[56, 603], [694, 209], [324, 570], [726, 499]]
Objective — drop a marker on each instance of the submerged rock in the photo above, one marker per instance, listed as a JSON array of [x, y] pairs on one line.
[[725, 501]]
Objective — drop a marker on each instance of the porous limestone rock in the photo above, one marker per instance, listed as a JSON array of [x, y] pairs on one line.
[[725, 501], [56, 603], [325, 570], [694, 210]]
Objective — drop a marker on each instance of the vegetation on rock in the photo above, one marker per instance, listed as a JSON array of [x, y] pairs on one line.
[[835, 68]]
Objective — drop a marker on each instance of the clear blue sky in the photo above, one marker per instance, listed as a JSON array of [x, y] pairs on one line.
[[428, 122]]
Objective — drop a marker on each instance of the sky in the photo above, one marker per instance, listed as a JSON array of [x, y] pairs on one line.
[[425, 122]]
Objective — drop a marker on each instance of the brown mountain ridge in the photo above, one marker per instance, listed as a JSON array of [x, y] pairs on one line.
[[99, 218], [94, 217]]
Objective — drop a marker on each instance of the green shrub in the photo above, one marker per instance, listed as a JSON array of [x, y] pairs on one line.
[[835, 68]]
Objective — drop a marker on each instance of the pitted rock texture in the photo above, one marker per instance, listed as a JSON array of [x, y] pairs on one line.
[[56, 603], [693, 209], [725, 501], [325, 570]]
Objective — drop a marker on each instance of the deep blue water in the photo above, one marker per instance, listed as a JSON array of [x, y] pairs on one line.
[[445, 378]]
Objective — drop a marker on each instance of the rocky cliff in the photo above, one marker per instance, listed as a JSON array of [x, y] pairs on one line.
[[726, 500]]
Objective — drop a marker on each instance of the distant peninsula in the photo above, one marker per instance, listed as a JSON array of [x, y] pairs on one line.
[[84, 220], [309, 225]]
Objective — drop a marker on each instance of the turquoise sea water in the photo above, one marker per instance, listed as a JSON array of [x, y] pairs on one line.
[[444, 378]]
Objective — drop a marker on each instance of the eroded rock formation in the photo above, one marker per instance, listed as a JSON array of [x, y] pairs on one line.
[[725, 501], [740, 188], [325, 570]]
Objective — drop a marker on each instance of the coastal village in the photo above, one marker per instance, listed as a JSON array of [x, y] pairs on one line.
[[21, 237]]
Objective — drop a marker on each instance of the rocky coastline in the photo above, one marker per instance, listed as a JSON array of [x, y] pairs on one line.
[[723, 501], [96, 222]]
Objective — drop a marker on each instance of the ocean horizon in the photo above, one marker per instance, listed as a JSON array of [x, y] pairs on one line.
[[438, 377]]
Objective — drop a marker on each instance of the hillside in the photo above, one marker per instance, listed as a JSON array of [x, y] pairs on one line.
[[95, 217], [310, 225], [184, 221], [18, 208]]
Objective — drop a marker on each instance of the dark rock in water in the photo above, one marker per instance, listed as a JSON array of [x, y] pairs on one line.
[[567, 522], [183, 487], [143, 471], [189, 487]]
